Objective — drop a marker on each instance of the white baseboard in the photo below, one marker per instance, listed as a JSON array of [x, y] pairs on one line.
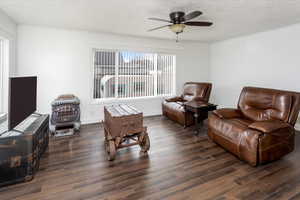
[[90, 122]]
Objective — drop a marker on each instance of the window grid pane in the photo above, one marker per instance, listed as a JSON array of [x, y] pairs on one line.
[[1, 76], [104, 74], [127, 74]]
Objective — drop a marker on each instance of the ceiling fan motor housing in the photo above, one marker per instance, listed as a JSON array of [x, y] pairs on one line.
[[179, 20], [177, 17]]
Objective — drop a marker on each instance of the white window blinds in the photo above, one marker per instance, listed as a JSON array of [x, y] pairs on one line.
[[1, 75], [127, 74]]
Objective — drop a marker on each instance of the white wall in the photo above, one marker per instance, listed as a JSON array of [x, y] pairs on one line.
[[192, 63], [62, 60], [8, 31], [8, 27], [269, 59]]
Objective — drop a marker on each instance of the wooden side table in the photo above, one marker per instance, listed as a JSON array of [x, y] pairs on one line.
[[200, 110]]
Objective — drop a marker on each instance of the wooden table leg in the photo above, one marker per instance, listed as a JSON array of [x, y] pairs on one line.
[[197, 124]]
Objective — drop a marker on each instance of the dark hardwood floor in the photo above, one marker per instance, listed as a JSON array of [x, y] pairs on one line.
[[178, 166]]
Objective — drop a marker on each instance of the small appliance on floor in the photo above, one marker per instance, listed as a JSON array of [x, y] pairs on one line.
[[65, 118]]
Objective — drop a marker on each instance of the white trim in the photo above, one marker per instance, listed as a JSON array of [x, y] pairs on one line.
[[139, 49], [7, 35], [92, 73], [175, 75], [4, 67], [119, 100], [117, 73], [1, 76], [155, 75]]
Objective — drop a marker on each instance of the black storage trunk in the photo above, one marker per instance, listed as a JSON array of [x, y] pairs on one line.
[[20, 154]]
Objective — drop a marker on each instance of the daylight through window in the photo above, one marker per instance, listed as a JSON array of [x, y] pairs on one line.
[[1, 75], [127, 74]]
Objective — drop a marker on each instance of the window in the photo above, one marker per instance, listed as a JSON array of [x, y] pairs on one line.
[[4, 74], [1, 75], [127, 74]]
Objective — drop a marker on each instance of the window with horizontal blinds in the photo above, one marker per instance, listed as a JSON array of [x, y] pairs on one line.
[[128, 74], [1, 75]]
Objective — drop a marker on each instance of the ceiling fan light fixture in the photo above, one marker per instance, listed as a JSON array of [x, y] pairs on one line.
[[177, 28], [178, 21]]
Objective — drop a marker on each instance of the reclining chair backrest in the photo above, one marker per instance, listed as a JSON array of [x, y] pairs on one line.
[[196, 91], [260, 104]]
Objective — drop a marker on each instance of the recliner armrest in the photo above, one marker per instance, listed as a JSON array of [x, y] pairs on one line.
[[174, 99], [228, 113], [199, 99], [269, 126]]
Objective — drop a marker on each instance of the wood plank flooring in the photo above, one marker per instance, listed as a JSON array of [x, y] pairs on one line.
[[179, 166]]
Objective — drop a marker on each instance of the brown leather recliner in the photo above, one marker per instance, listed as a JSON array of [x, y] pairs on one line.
[[173, 108], [261, 129]]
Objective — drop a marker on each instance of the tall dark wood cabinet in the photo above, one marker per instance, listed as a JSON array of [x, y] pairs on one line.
[[22, 148]]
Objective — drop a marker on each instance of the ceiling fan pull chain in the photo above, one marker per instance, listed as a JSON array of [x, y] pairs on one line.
[[177, 37]]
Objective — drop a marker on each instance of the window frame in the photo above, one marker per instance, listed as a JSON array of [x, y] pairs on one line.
[[4, 53], [128, 99]]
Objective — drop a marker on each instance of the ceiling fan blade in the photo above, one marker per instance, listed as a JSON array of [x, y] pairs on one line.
[[192, 15], [158, 28], [157, 19], [198, 23]]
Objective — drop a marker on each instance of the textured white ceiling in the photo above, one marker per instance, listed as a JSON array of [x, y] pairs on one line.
[[231, 17]]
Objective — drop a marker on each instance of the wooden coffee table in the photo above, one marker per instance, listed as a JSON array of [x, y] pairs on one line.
[[200, 111], [123, 127]]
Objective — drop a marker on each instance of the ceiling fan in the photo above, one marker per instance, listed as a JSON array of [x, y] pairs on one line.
[[179, 20]]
